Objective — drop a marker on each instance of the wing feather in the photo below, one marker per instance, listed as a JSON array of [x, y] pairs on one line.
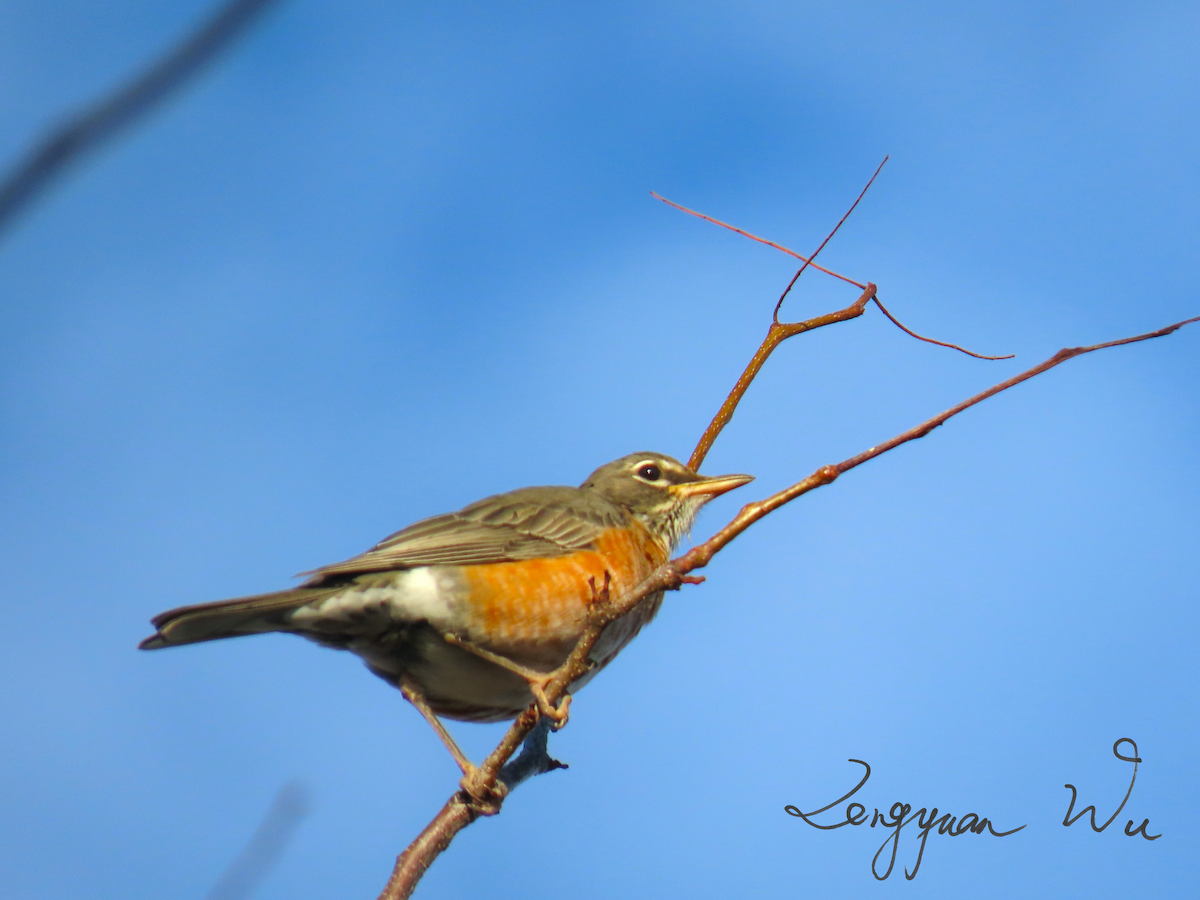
[[527, 524]]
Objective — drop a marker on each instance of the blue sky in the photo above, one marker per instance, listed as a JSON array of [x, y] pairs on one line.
[[385, 259]]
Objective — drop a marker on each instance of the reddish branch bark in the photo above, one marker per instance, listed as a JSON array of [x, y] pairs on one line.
[[461, 809], [490, 784], [776, 335]]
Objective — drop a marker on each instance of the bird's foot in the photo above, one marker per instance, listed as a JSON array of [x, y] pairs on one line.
[[556, 715]]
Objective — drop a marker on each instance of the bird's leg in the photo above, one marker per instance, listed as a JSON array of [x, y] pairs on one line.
[[536, 680], [414, 695], [486, 798]]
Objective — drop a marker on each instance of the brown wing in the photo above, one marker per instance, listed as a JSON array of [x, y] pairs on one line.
[[527, 524]]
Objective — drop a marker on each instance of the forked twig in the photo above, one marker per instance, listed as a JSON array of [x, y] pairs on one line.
[[776, 335], [809, 261], [460, 810], [702, 554], [829, 237], [806, 260]]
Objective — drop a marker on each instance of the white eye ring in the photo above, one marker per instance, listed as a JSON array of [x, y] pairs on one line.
[[649, 471]]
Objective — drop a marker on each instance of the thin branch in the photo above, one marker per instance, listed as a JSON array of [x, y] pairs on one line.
[[929, 340], [1057, 359], [91, 127], [808, 261], [700, 556], [415, 861], [754, 237], [828, 238], [459, 811], [776, 335], [781, 331]]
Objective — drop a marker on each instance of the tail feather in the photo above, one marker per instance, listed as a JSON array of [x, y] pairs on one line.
[[229, 618]]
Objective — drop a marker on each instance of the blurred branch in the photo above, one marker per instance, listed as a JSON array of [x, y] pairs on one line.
[[266, 846], [91, 127]]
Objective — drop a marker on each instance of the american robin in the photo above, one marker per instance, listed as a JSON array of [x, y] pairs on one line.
[[439, 608]]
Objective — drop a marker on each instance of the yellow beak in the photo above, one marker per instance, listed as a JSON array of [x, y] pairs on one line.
[[711, 487]]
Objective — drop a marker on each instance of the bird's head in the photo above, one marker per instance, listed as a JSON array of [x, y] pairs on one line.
[[660, 491]]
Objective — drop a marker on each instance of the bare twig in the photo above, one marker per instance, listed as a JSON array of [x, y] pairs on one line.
[[929, 340], [88, 129], [809, 261], [460, 810], [776, 335], [1057, 359], [702, 554], [415, 861], [754, 237], [829, 237]]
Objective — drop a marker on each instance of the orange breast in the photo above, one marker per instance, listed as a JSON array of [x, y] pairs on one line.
[[533, 611]]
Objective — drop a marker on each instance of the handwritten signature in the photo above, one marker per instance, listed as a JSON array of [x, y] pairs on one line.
[[901, 815], [1135, 759]]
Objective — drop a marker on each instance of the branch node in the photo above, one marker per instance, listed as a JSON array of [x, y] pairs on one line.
[[600, 606], [482, 795]]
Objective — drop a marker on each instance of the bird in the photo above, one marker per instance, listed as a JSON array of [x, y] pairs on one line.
[[452, 609]]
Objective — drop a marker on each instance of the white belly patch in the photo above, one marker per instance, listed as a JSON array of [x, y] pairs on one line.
[[406, 596], [423, 593]]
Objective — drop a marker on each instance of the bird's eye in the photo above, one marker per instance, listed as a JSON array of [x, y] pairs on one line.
[[649, 472]]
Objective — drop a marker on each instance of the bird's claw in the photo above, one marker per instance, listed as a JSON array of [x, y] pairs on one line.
[[557, 715]]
